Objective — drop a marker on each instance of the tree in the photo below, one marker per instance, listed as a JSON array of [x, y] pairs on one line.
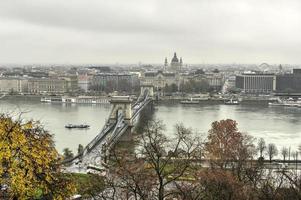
[[215, 71], [284, 153], [148, 172], [213, 184], [195, 86], [67, 153], [80, 149], [29, 162], [221, 184], [299, 148], [295, 157], [261, 147], [88, 185], [272, 151], [174, 87], [227, 146], [199, 71], [271, 187], [124, 85]]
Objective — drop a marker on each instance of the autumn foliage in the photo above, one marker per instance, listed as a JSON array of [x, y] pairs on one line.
[[221, 166], [226, 144], [29, 162]]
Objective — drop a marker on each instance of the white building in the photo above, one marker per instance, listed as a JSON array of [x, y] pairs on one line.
[[160, 79], [84, 82], [13, 84]]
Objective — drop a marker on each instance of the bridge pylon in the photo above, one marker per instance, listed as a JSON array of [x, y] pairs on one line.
[[147, 87], [123, 104]]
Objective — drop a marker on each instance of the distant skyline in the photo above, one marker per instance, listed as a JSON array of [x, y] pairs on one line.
[[147, 31]]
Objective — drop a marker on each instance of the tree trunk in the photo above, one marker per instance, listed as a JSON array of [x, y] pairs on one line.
[[161, 189]]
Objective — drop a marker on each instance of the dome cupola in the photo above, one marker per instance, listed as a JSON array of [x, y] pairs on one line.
[[175, 58]]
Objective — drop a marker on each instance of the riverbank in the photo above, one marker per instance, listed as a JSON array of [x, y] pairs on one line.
[[22, 97], [163, 99], [217, 101], [63, 99]]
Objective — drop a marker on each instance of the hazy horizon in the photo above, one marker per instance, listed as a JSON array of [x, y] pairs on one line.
[[129, 32], [209, 65]]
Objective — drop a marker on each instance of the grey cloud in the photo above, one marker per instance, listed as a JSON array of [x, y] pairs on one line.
[[148, 30], [102, 16]]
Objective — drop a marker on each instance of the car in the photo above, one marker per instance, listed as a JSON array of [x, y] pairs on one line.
[[4, 187], [76, 197]]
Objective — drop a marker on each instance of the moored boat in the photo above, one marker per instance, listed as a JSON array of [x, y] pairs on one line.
[[76, 100], [70, 126], [290, 102], [231, 102], [190, 101], [51, 99]]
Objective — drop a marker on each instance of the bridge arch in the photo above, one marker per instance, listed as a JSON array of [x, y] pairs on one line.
[[121, 103], [147, 87], [98, 150]]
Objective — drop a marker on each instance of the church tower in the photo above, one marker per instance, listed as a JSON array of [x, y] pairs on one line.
[[165, 63], [175, 58], [175, 64]]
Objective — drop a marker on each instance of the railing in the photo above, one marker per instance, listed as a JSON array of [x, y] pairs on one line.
[[106, 129], [2, 96], [118, 129], [116, 136]]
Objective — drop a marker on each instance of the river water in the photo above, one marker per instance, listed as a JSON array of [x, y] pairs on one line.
[[278, 125]]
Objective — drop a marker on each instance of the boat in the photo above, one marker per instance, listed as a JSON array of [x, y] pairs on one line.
[[76, 100], [290, 102], [190, 101], [70, 126], [231, 102], [51, 99]]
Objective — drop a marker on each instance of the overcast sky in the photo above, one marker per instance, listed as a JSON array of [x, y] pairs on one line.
[[129, 31]]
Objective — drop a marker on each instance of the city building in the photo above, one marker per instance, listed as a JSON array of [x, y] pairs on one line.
[[259, 83], [215, 80], [72, 82], [160, 79], [13, 84], [165, 64], [110, 82], [84, 82], [289, 83], [48, 85], [230, 82]]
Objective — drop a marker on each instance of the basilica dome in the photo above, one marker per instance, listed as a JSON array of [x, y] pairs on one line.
[[175, 58]]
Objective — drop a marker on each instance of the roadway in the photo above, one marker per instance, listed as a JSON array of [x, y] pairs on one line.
[[106, 139]]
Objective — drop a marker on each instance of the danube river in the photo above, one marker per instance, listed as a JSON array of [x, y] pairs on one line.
[[279, 125]]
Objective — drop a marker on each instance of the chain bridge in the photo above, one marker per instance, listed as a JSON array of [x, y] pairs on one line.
[[124, 112]]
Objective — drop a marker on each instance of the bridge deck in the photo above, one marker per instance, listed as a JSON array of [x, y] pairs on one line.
[[109, 135]]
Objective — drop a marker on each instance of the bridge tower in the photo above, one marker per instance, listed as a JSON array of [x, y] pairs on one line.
[[124, 104], [149, 87]]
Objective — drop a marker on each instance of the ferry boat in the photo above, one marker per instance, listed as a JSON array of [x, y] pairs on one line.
[[231, 102], [51, 99], [290, 102], [76, 100], [190, 101], [80, 126]]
